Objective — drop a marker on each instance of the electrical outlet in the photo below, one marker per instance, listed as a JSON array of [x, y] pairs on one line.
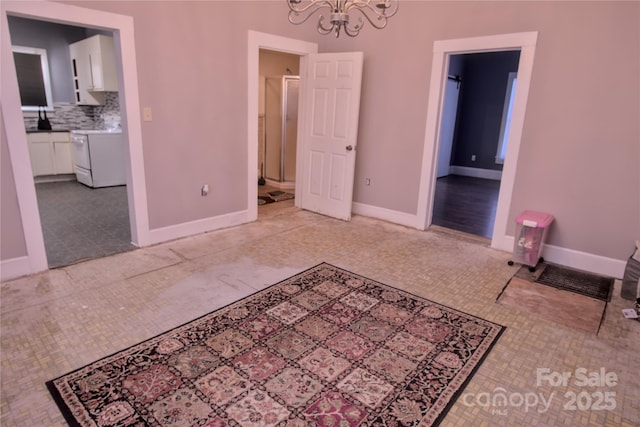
[[367, 181], [147, 115], [204, 190]]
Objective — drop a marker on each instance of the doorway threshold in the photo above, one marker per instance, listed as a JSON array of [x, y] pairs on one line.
[[460, 235]]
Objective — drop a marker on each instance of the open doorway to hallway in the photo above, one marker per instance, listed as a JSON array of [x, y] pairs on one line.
[[474, 130]]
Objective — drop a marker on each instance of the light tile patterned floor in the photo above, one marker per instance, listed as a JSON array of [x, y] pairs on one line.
[[63, 319]]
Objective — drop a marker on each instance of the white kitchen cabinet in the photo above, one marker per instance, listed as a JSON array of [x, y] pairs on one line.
[[51, 153], [93, 65], [62, 152], [41, 153]]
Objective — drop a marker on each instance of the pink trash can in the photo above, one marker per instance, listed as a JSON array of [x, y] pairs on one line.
[[531, 232]]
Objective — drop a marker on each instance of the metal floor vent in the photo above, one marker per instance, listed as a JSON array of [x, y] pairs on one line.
[[579, 282]]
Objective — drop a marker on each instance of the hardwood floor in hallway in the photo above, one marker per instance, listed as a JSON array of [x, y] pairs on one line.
[[466, 204]]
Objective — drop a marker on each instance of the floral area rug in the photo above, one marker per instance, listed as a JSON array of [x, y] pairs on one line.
[[326, 347]]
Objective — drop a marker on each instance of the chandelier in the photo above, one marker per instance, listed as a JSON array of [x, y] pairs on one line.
[[336, 15]]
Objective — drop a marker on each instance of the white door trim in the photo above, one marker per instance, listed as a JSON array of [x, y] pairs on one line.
[[257, 41], [526, 43], [449, 114], [130, 112]]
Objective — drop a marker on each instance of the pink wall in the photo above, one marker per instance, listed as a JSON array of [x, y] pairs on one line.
[[580, 152], [581, 142], [12, 244]]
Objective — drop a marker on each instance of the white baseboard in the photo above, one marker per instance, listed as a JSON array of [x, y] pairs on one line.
[[20, 266], [165, 234], [395, 217], [591, 263], [571, 258], [14, 268], [476, 172]]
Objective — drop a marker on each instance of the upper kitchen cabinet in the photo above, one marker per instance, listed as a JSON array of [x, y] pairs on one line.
[[94, 69]]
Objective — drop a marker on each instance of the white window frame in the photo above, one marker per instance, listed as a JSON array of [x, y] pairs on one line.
[[46, 77], [509, 97]]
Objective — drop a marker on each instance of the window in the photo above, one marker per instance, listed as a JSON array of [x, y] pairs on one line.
[[34, 83], [506, 117]]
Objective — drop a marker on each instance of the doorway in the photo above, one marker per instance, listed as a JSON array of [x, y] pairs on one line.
[[122, 27], [261, 43], [473, 140], [526, 44], [277, 125], [318, 191], [78, 222]]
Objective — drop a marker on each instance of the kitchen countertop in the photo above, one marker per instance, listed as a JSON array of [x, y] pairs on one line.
[[96, 131], [45, 131], [85, 131]]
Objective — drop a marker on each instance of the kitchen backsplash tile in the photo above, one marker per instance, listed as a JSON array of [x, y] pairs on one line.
[[72, 116], [107, 116]]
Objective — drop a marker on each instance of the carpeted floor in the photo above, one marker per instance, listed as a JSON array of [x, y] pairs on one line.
[[326, 346]]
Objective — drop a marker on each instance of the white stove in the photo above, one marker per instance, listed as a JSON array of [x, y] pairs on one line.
[[99, 157]]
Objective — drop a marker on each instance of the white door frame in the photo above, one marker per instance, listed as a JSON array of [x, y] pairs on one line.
[[449, 114], [36, 259], [257, 41], [526, 43]]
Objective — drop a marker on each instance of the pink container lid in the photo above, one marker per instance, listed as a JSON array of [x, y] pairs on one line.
[[534, 219]]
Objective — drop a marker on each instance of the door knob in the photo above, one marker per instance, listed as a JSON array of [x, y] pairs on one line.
[[349, 147]]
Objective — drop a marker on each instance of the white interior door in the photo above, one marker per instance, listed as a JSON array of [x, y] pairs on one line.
[[327, 134], [448, 127]]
